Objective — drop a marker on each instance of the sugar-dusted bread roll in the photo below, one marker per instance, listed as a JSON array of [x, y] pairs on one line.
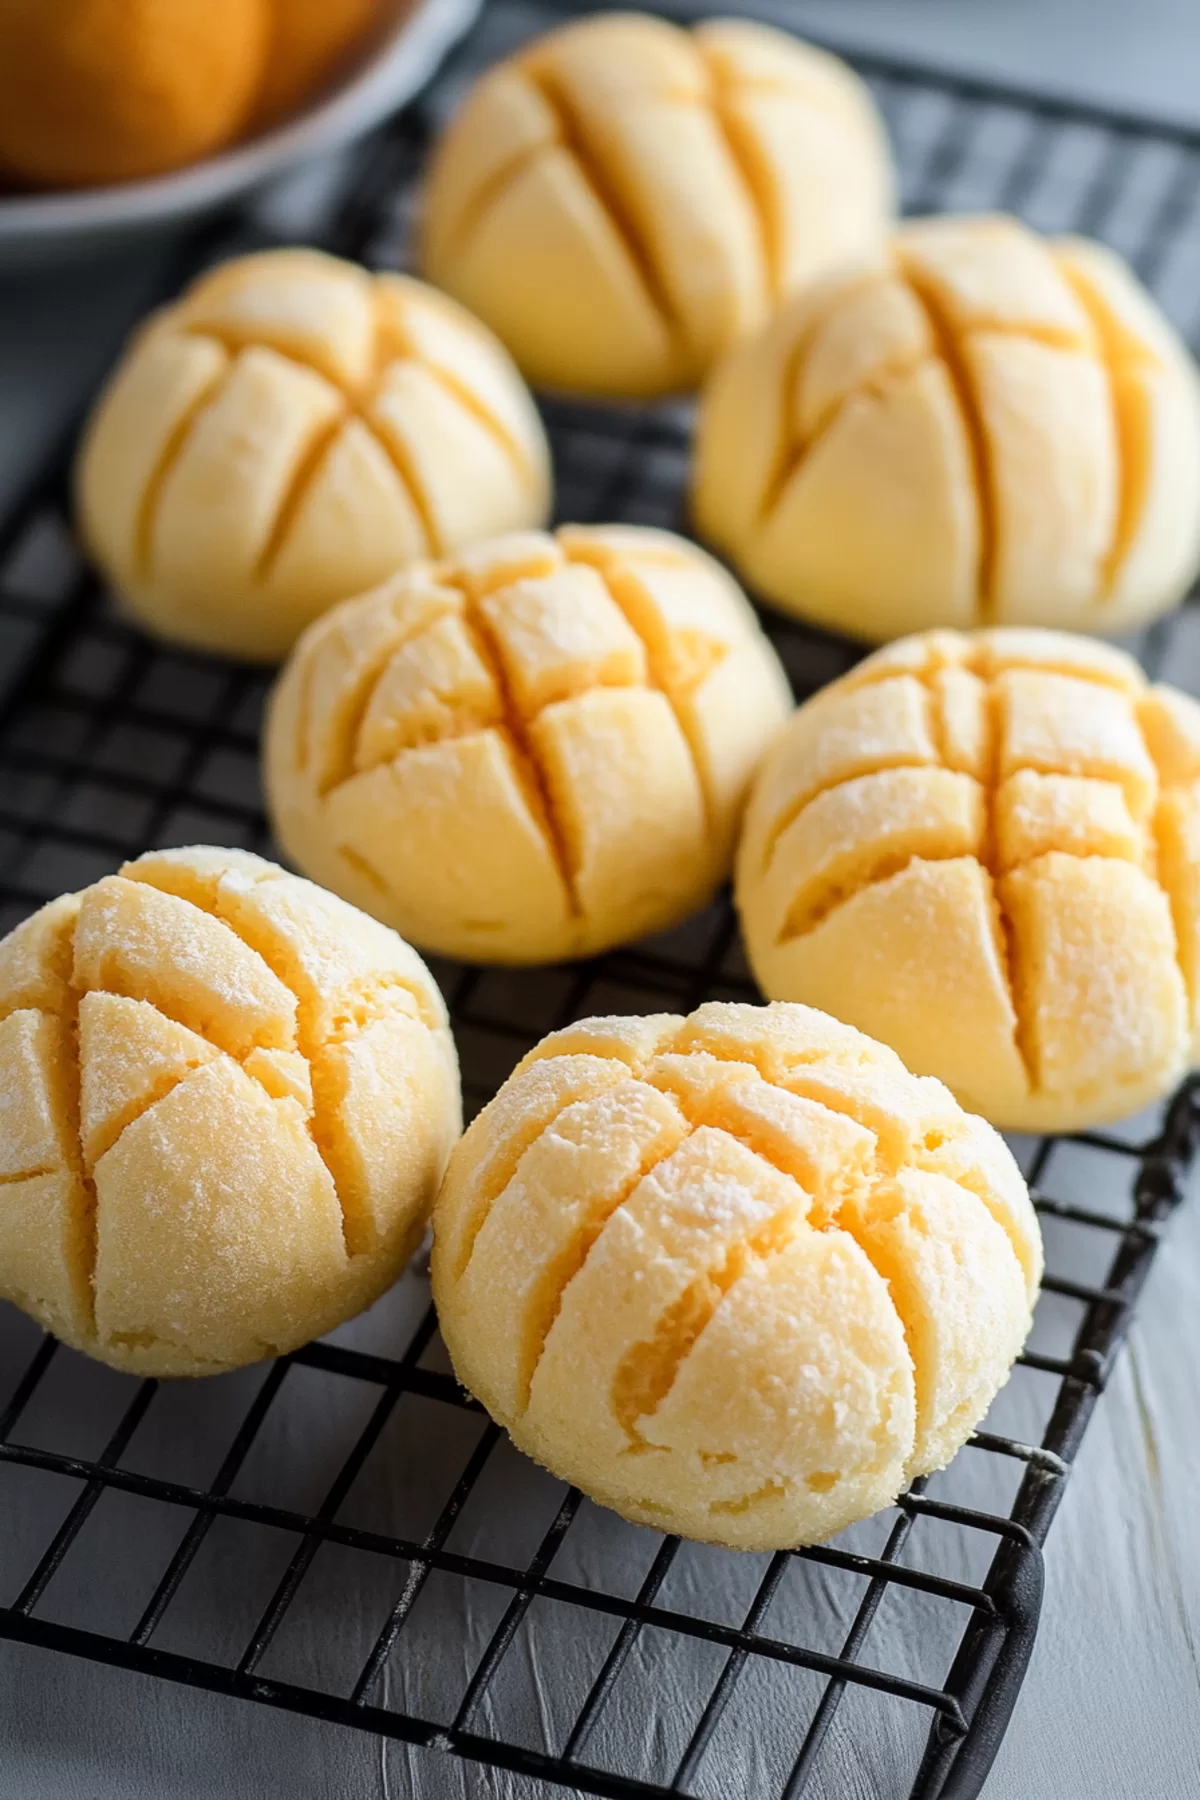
[[289, 432], [739, 1276], [226, 1101], [533, 752], [978, 427], [985, 850], [623, 199]]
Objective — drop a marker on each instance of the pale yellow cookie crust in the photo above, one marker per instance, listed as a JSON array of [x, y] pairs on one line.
[[290, 431], [534, 752], [226, 1101], [977, 426], [739, 1276], [622, 199], [985, 850]]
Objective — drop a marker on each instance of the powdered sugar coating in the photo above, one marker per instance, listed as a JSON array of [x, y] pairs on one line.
[[738, 1275], [226, 1100], [533, 752], [986, 850]]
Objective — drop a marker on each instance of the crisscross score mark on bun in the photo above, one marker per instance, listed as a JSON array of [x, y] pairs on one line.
[[975, 427], [985, 850], [740, 1275], [291, 431], [535, 751], [622, 199], [228, 1099]]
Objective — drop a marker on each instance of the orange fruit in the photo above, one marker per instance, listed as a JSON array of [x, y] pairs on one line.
[[308, 39], [95, 91]]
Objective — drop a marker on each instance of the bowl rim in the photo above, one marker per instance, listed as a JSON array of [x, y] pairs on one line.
[[399, 66]]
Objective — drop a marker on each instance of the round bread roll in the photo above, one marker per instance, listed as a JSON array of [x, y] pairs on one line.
[[226, 1101], [622, 199], [99, 91], [985, 850], [534, 752], [978, 427], [740, 1276], [290, 431]]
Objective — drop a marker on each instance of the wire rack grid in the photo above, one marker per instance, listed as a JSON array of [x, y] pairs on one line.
[[402, 1517]]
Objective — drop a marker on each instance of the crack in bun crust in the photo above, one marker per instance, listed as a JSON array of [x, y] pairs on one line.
[[533, 751], [985, 849], [228, 1102], [622, 199], [739, 1275], [288, 432], [1014, 417]]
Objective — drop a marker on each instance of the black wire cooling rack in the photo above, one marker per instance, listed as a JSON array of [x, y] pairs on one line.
[[462, 1569]]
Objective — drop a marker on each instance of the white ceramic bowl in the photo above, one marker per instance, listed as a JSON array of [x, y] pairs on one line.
[[39, 228]]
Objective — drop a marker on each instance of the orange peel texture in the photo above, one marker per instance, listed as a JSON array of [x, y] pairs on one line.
[[99, 91], [310, 41]]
